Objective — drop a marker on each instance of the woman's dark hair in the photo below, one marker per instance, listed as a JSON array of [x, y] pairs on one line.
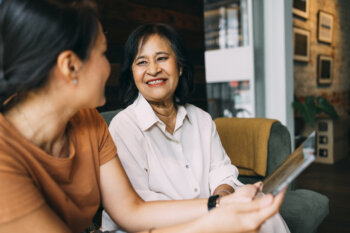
[[32, 35], [127, 89]]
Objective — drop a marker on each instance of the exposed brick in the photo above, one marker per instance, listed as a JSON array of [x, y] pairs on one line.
[[305, 74]]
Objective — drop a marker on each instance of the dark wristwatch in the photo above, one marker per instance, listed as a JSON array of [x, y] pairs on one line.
[[213, 201]]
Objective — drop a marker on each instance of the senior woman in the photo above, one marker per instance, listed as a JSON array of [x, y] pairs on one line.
[[170, 149], [57, 159]]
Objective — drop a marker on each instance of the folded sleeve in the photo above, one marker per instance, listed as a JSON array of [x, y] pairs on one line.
[[221, 169], [106, 147], [18, 194]]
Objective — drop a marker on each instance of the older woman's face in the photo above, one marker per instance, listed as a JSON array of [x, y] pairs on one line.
[[155, 70]]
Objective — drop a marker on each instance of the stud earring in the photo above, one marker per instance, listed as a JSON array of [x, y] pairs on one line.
[[75, 81], [180, 73]]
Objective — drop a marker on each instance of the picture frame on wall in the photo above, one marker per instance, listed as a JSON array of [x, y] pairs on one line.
[[301, 8], [325, 27], [301, 42], [324, 69]]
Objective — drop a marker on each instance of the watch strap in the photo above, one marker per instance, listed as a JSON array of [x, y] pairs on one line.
[[213, 201]]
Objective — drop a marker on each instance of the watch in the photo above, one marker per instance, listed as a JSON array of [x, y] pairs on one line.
[[213, 201]]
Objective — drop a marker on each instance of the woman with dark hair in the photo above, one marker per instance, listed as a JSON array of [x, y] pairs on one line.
[[170, 149], [57, 159], [128, 91]]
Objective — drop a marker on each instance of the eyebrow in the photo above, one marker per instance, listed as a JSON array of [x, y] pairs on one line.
[[158, 53]]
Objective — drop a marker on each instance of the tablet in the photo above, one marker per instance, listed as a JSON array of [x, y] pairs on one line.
[[300, 159]]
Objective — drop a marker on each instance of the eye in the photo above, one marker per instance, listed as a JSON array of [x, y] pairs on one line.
[[163, 58], [140, 63]]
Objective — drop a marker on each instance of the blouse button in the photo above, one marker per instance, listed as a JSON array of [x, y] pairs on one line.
[[195, 190], [187, 166]]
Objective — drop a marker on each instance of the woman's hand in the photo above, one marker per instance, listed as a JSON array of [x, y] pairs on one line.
[[243, 194], [233, 217], [243, 217]]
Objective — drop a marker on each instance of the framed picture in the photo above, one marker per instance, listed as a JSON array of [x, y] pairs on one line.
[[324, 69], [301, 44], [301, 8], [325, 27]]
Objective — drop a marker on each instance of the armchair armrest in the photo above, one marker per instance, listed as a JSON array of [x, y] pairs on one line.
[[279, 146]]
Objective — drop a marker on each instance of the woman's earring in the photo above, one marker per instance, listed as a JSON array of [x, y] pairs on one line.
[[180, 73], [75, 81]]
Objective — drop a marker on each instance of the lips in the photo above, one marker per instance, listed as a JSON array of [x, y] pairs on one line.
[[156, 82]]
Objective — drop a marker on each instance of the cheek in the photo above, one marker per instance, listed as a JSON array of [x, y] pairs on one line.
[[106, 64], [107, 69], [137, 74], [176, 82], [173, 68]]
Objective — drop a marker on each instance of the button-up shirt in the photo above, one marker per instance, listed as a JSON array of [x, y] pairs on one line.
[[190, 163]]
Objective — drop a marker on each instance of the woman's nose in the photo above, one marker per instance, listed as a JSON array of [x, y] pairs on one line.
[[153, 69]]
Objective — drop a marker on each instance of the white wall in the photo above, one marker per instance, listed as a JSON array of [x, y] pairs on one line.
[[278, 62]]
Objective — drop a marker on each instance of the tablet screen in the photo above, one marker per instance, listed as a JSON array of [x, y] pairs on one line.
[[301, 158]]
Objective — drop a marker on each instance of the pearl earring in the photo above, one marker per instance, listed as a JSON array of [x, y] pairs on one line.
[[75, 81]]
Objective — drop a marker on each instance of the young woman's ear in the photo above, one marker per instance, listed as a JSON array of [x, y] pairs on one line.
[[69, 64]]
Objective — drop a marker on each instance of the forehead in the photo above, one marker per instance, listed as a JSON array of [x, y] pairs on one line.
[[154, 42]]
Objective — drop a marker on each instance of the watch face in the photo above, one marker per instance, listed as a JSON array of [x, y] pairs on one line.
[[213, 201]]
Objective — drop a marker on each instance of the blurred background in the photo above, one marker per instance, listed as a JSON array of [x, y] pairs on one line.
[[288, 60]]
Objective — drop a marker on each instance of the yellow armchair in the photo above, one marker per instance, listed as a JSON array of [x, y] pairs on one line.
[[257, 147]]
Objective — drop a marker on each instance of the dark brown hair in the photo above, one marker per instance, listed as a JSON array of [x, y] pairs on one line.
[[32, 35]]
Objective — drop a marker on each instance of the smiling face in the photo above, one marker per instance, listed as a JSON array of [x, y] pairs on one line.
[[155, 70]]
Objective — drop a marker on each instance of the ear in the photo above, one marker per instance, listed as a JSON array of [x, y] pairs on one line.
[[68, 63]]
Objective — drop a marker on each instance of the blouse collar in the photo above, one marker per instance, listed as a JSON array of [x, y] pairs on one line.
[[147, 117]]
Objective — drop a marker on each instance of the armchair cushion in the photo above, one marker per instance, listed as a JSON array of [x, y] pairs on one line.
[[247, 144], [304, 210]]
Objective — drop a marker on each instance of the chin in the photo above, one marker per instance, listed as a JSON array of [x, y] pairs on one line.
[[101, 102], [157, 96]]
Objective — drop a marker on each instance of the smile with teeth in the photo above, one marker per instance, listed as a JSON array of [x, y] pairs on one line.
[[155, 82]]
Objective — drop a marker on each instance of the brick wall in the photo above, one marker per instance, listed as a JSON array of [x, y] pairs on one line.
[[305, 73]]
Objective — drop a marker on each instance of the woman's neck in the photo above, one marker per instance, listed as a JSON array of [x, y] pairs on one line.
[[166, 113], [43, 121]]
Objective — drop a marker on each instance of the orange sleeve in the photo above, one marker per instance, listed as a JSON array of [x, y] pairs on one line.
[[107, 148], [18, 194]]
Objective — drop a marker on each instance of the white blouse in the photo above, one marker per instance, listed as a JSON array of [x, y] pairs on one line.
[[189, 164]]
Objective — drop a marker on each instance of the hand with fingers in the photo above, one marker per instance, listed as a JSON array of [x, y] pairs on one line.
[[243, 194], [247, 216]]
